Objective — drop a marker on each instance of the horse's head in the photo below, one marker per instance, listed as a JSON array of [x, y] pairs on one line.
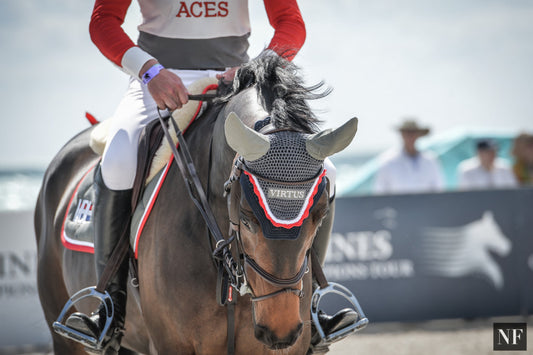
[[283, 200], [486, 234]]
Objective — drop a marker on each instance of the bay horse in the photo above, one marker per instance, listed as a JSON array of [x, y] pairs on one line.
[[174, 309]]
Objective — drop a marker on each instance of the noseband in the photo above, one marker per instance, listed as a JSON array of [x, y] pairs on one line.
[[286, 285], [276, 281]]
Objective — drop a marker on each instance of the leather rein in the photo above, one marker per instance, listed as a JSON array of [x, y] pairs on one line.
[[233, 271], [221, 253]]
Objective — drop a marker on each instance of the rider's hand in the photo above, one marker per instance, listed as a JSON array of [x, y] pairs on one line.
[[166, 88], [228, 75]]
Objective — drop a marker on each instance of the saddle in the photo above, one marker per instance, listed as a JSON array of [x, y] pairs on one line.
[[159, 153], [154, 155]]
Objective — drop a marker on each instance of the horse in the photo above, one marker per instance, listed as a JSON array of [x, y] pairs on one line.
[[173, 309]]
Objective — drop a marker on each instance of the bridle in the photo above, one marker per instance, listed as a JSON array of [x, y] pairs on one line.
[[283, 284], [286, 285], [231, 272]]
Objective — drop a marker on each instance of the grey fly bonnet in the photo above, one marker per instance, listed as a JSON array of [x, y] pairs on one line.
[[283, 175]]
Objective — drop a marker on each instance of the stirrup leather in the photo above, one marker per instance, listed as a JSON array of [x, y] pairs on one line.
[[61, 328], [335, 288]]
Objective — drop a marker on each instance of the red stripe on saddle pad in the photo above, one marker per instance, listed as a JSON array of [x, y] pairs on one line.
[[82, 246], [148, 210], [207, 88]]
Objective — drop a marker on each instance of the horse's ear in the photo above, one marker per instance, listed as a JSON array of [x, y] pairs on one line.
[[326, 143], [250, 144]]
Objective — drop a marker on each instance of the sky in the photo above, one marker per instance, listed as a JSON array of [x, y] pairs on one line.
[[452, 64]]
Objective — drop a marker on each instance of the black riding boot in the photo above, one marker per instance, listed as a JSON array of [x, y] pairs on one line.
[[344, 317], [111, 215]]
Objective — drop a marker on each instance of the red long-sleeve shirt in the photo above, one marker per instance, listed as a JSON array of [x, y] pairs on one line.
[[187, 27]]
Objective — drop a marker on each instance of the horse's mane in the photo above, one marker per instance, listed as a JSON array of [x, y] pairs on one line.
[[281, 90]]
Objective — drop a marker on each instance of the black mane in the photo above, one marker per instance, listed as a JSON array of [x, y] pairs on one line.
[[281, 89]]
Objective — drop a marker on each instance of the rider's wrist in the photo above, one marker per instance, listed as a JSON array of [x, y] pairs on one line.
[[134, 60], [151, 73]]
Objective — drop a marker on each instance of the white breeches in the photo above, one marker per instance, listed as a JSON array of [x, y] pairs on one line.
[[134, 112]]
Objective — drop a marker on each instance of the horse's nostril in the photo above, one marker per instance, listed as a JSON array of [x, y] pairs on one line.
[[263, 334], [297, 332], [267, 337]]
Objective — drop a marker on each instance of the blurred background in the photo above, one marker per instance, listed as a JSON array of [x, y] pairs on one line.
[[453, 64], [463, 68]]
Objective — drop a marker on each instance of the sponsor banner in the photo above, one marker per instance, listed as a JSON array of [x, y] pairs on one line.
[[426, 256], [409, 257], [20, 310]]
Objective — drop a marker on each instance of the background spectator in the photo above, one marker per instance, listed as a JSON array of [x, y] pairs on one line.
[[523, 153], [485, 171], [408, 170]]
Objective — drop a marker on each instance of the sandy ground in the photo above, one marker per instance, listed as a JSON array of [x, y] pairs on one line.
[[433, 337], [449, 337]]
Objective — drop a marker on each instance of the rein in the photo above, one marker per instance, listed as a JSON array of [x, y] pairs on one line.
[[228, 270], [221, 253]]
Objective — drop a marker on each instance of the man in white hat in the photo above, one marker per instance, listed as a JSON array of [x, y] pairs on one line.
[[408, 170]]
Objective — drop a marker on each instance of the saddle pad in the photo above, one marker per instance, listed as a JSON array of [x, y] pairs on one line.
[[77, 232], [144, 207]]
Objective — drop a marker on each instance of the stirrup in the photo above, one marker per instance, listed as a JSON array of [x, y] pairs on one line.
[[61, 328], [342, 291]]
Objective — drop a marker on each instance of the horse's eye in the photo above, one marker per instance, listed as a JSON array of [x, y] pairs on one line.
[[319, 215], [245, 223], [250, 223]]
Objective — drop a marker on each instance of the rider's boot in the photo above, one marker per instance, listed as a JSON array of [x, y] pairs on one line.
[[111, 215], [344, 317]]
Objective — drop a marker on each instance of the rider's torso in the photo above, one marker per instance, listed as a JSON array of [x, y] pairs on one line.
[[195, 34]]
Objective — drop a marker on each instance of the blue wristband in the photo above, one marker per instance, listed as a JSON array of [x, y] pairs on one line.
[[152, 72]]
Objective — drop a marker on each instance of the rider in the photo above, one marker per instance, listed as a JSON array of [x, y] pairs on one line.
[[179, 42]]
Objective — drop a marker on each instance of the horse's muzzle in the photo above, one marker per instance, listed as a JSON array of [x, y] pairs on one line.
[[267, 337]]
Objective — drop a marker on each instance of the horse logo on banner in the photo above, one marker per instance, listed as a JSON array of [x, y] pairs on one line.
[[466, 250]]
